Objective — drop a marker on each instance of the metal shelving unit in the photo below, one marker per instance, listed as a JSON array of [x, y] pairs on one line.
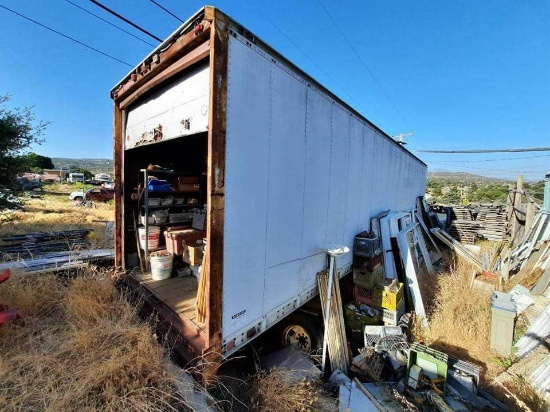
[[146, 207]]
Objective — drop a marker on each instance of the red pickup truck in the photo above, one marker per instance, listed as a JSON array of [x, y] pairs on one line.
[[100, 194]]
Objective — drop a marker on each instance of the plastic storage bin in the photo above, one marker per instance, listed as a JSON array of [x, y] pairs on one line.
[[366, 245], [176, 237]]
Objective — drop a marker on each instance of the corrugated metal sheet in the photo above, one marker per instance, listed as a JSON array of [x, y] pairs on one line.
[[538, 333], [540, 377]]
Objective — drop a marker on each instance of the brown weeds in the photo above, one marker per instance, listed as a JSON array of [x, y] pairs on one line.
[[460, 318], [53, 213], [79, 348], [278, 391]]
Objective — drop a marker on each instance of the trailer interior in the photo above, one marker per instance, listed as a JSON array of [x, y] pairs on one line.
[[181, 157]]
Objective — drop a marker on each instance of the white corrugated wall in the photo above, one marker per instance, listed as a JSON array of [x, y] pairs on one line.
[[301, 171]]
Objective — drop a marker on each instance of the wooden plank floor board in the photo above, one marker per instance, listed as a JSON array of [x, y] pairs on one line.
[[180, 294]]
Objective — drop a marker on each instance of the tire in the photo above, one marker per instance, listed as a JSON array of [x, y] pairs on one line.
[[302, 331], [78, 199]]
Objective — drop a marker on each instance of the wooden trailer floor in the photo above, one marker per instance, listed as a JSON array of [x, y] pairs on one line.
[[180, 294]]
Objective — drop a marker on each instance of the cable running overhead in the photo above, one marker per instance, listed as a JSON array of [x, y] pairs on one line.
[[64, 35], [166, 10], [114, 13], [109, 23], [369, 71], [533, 149]]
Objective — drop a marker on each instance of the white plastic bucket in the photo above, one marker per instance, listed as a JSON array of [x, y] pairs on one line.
[[154, 235], [161, 265]]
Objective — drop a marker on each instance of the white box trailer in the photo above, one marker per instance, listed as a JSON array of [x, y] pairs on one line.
[[285, 166]]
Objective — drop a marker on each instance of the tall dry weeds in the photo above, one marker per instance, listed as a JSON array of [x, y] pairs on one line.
[[53, 213], [279, 391], [79, 348], [460, 318]]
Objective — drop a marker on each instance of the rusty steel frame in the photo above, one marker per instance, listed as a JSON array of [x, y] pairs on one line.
[[210, 42]]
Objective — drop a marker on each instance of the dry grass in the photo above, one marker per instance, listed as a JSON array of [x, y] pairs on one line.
[[53, 213], [278, 391], [460, 319], [81, 347]]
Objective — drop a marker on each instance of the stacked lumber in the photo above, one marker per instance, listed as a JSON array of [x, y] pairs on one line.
[[461, 213], [465, 231], [29, 245], [494, 221], [337, 342], [478, 222]]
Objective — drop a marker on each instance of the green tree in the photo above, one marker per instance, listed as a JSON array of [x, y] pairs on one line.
[[493, 193], [452, 197], [18, 131], [37, 163]]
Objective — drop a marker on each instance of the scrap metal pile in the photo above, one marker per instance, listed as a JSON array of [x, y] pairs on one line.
[[41, 251], [389, 265]]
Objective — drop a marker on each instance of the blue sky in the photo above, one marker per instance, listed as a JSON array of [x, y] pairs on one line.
[[460, 74]]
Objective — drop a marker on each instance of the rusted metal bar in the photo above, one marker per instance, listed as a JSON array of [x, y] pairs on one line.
[[216, 171]]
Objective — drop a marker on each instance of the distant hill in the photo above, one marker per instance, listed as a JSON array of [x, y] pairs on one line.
[[93, 165], [463, 177]]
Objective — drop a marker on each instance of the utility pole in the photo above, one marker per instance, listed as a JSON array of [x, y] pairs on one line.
[[399, 138]]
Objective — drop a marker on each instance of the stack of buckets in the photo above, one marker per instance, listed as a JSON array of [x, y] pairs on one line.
[[161, 261]]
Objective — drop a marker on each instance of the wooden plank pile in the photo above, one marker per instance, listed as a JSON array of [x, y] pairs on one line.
[[465, 231], [494, 220], [478, 222], [34, 244]]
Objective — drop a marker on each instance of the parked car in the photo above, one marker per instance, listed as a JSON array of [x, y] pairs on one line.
[[100, 194]]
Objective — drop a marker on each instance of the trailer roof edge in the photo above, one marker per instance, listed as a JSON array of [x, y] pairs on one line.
[[202, 11]]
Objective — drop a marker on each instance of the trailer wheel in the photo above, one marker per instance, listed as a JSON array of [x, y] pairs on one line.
[[302, 332]]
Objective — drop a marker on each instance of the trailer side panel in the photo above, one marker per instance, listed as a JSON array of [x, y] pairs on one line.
[[301, 171]]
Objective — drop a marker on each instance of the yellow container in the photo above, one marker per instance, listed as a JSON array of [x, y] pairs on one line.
[[389, 299]]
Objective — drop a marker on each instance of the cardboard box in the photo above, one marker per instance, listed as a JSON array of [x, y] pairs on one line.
[[193, 254], [187, 184], [356, 319], [368, 279]]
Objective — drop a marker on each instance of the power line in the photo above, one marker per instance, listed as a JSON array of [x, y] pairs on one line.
[[363, 62], [534, 149], [499, 170], [166, 10], [114, 13], [487, 160], [301, 50], [108, 22], [67, 37]]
